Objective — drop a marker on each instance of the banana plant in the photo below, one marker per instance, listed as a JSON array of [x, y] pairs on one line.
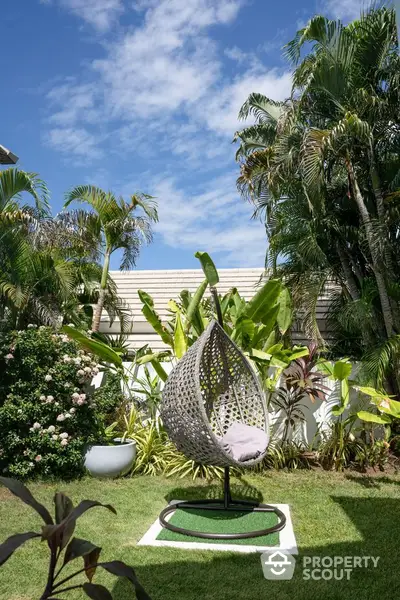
[[257, 325], [388, 410]]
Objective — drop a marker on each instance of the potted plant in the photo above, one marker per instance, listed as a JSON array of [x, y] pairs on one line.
[[111, 458]]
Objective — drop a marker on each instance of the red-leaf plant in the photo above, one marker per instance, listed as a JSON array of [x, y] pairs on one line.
[[58, 535]]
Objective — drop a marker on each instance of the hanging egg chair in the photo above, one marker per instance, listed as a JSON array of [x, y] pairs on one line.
[[214, 410]]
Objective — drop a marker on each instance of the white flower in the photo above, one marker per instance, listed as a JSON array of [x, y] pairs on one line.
[[32, 326], [71, 325], [48, 377], [49, 398], [56, 404], [42, 398], [61, 417], [51, 429], [31, 429], [19, 411], [31, 464], [86, 358], [38, 458], [9, 356], [75, 396], [54, 437], [82, 396], [72, 410], [37, 426], [67, 415], [25, 452], [66, 358], [64, 442], [67, 384], [80, 373], [77, 360], [95, 371], [64, 338], [63, 436], [80, 402], [87, 369]]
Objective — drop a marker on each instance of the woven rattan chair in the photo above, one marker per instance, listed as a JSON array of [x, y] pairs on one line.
[[212, 387]]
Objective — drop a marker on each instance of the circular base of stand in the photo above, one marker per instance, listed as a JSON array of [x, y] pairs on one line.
[[234, 505]]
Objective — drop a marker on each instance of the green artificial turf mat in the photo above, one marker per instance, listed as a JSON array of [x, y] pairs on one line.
[[217, 521]]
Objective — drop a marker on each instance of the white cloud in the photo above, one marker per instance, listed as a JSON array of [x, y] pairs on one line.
[[77, 102], [222, 110], [161, 93], [77, 144], [347, 10], [101, 14], [215, 219], [167, 62]]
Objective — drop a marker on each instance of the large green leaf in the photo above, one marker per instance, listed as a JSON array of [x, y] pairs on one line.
[[342, 370], [266, 297], [285, 313], [180, 339], [208, 267], [243, 331], [163, 375], [192, 313], [326, 367], [153, 318], [102, 351], [259, 355], [372, 392], [364, 415]]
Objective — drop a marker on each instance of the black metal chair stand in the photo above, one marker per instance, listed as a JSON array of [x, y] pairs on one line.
[[227, 504]]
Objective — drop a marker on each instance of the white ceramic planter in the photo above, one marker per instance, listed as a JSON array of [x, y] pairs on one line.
[[111, 461]]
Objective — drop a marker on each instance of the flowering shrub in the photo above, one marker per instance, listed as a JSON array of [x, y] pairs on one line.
[[47, 412]]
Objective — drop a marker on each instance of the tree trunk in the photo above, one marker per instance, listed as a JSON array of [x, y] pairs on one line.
[[348, 273], [380, 281], [380, 208], [102, 293]]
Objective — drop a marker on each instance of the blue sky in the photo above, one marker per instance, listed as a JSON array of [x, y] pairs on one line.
[[144, 96]]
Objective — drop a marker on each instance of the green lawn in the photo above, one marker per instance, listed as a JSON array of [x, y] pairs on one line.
[[333, 514]]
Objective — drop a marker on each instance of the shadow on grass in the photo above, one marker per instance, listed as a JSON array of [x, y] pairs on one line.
[[174, 574], [372, 482], [240, 491]]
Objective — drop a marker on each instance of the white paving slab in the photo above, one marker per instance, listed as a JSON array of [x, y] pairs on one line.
[[287, 540]]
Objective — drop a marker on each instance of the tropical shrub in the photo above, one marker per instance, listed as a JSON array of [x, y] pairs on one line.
[[47, 413], [109, 398], [257, 326], [288, 455], [58, 535], [323, 167]]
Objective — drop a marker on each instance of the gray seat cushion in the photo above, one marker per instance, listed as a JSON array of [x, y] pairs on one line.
[[244, 442]]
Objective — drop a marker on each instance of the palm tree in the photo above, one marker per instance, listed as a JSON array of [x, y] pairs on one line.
[[113, 225], [324, 166], [346, 77]]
